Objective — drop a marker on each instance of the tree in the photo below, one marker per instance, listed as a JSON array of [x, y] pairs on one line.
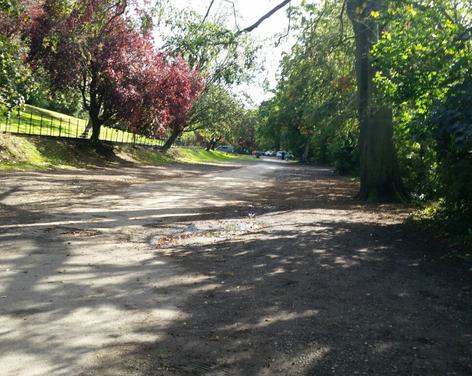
[[380, 178], [16, 81], [217, 115], [379, 173], [224, 57], [424, 67], [312, 113], [92, 46]]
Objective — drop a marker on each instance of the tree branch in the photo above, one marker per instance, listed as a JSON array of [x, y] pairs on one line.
[[208, 11], [234, 14], [83, 88], [288, 27], [341, 20], [263, 18]]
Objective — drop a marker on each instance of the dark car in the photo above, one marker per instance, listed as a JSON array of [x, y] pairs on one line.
[[225, 148]]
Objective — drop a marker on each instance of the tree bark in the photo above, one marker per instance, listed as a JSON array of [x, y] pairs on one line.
[[170, 141], [306, 150], [380, 179], [87, 129], [210, 144], [96, 128], [94, 108]]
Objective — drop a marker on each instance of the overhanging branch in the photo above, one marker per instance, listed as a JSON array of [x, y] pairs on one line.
[[263, 18]]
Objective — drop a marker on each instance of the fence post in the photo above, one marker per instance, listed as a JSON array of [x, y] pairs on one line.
[[68, 129], [41, 125], [60, 126], [50, 126], [30, 121], [77, 129], [18, 125]]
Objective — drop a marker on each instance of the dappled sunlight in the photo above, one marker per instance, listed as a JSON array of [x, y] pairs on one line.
[[191, 277]]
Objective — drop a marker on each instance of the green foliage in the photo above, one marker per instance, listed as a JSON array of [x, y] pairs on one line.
[[67, 101], [313, 111], [16, 81], [425, 65], [223, 56], [217, 116]]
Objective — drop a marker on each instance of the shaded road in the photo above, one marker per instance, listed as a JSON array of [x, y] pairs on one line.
[[259, 269]]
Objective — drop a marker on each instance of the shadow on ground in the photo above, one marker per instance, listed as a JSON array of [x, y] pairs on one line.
[[320, 283]]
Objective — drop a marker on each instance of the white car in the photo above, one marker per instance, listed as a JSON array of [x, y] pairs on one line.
[[281, 154]]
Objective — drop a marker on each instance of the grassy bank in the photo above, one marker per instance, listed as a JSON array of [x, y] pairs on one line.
[[41, 153], [195, 155], [39, 121]]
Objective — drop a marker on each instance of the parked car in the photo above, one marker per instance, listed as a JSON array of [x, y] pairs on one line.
[[225, 148], [257, 153], [241, 150], [269, 153], [281, 154]]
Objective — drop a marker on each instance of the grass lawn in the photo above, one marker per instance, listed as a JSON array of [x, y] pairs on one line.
[[21, 152], [38, 121], [195, 155], [42, 153]]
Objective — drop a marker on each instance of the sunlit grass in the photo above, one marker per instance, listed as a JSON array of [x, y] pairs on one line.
[[42, 122], [195, 155], [23, 153]]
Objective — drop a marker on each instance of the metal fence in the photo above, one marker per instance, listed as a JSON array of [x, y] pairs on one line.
[[39, 123]]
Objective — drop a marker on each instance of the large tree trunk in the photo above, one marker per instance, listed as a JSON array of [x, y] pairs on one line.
[[306, 150], [170, 141], [209, 144], [87, 129], [380, 179], [94, 108], [96, 127]]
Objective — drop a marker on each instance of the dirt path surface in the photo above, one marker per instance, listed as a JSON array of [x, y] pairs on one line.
[[259, 269]]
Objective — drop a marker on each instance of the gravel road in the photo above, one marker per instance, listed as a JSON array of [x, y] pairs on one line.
[[257, 268]]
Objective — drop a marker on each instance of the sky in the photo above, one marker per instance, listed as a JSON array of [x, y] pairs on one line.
[[249, 11]]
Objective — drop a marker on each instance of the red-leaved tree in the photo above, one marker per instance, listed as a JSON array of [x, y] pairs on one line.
[[93, 47]]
